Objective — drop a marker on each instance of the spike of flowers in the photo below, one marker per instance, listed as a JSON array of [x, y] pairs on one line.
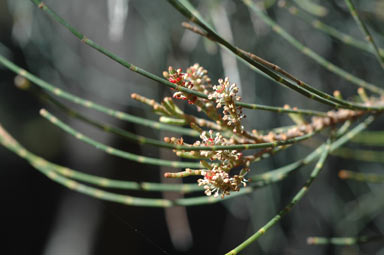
[[218, 182], [228, 157], [225, 94], [179, 78]]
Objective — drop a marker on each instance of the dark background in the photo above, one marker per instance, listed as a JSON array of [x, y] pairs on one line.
[[41, 217]]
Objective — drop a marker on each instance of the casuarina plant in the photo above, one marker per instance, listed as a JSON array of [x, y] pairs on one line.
[[205, 120]]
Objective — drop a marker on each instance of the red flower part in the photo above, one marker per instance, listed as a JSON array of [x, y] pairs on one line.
[[221, 89], [209, 142], [209, 175]]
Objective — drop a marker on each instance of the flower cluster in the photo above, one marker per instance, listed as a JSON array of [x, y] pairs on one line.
[[194, 78], [225, 116], [216, 179], [219, 182], [179, 78], [225, 94], [197, 75], [228, 158]]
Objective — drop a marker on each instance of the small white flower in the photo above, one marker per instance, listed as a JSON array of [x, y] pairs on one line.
[[220, 183]]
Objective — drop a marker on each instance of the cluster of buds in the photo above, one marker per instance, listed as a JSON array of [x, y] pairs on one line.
[[225, 94], [181, 79], [227, 158], [218, 182], [197, 75], [216, 179], [194, 78]]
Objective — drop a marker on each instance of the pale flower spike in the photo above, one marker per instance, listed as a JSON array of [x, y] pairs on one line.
[[218, 182], [220, 107]]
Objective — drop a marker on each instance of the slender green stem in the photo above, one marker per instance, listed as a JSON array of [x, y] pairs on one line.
[[365, 31], [375, 138], [89, 104], [118, 184], [312, 7], [256, 180], [116, 152], [348, 136], [281, 173], [260, 180], [308, 91], [104, 127], [363, 177], [343, 241], [92, 179], [318, 24], [65, 127], [149, 75], [58, 174], [138, 70], [86, 139], [106, 52], [360, 154], [188, 11], [288, 208], [310, 53], [279, 109], [118, 131]]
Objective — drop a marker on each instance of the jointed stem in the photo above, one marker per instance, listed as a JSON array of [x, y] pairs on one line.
[[318, 24], [147, 74], [59, 174], [117, 152], [363, 177], [92, 105], [343, 241], [310, 53], [374, 138], [105, 127], [86, 139], [360, 154], [365, 31], [188, 11], [288, 208]]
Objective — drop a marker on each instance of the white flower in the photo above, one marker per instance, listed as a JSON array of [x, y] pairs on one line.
[[218, 182], [224, 92]]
